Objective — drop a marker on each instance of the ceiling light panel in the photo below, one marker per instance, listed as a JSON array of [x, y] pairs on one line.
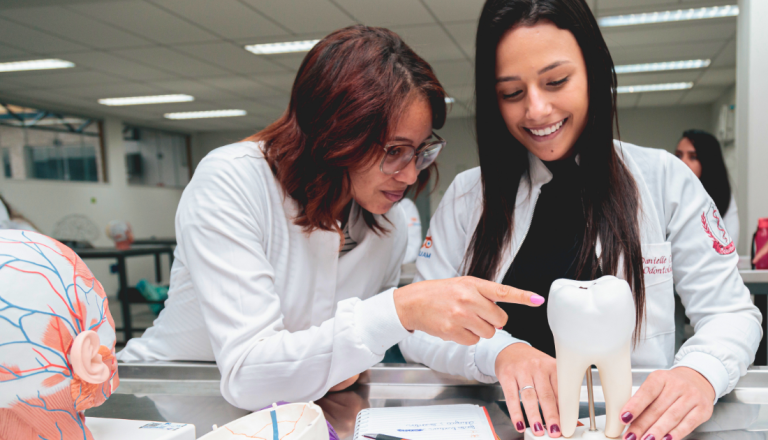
[[668, 16], [206, 114], [658, 67], [285, 47], [449, 100], [141, 100], [17, 66], [654, 87]]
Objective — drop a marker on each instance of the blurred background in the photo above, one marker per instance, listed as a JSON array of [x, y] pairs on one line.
[[73, 160]]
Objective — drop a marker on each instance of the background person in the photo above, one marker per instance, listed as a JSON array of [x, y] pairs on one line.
[[556, 197], [702, 153]]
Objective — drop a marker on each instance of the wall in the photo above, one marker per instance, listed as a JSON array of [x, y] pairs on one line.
[[662, 127], [459, 154], [150, 210], [204, 143]]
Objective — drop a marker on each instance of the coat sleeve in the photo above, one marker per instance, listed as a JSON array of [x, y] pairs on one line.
[[223, 237], [441, 257], [726, 323]]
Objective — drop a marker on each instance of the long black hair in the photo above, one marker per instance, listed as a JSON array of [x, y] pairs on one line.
[[714, 175], [610, 196]]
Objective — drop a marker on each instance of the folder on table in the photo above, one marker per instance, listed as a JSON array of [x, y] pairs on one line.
[[439, 422]]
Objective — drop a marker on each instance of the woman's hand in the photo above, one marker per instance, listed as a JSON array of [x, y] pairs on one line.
[[669, 405], [458, 309], [519, 366], [344, 385]]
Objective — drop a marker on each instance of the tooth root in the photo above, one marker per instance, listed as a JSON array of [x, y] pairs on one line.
[[592, 324]]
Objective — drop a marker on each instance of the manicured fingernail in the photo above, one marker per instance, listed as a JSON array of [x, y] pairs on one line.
[[626, 417], [649, 437], [537, 299], [667, 437], [520, 427], [630, 436], [537, 427], [554, 429]]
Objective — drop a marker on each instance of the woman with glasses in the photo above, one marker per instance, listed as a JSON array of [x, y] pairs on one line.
[[556, 197], [290, 243]]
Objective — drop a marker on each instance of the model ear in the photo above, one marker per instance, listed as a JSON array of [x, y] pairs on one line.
[[86, 360]]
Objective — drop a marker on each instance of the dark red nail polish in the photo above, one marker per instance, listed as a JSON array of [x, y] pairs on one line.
[[649, 437], [520, 427], [555, 429], [537, 427], [630, 436], [626, 417], [667, 437]]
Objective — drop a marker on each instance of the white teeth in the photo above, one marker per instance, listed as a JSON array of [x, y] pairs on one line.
[[592, 323], [548, 130]]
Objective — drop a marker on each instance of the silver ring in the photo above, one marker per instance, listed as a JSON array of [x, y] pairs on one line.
[[520, 393]]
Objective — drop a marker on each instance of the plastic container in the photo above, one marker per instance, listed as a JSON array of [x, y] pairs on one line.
[[759, 240]]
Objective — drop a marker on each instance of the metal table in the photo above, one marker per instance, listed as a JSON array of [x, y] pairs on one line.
[[189, 393], [120, 256]]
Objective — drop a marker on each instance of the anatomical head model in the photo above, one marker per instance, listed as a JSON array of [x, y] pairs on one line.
[[592, 323], [57, 340]]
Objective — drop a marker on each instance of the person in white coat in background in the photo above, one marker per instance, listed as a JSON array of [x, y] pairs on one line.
[[413, 223], [289, 253], [702, 153], [556, 197]]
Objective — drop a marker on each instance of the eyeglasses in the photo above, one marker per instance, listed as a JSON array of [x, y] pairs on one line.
[[397, 157]]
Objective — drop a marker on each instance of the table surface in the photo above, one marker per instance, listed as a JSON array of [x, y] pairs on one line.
[[189, 393], [110, 252]]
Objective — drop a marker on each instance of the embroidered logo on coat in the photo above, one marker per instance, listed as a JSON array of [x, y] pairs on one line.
[[424, 248], [713, 226]]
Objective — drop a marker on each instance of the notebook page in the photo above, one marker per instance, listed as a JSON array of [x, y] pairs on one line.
[[443, 422]]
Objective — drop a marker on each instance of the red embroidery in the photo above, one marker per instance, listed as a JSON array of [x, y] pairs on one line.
[[427, 243], [721, 243]]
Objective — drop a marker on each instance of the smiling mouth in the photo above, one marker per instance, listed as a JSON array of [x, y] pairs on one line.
[[546, 131]]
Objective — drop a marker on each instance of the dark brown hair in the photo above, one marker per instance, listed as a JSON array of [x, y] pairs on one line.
[[348, 94], [610, 195], [714, 174]]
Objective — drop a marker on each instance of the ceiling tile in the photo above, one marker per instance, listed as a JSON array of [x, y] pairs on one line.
[[687, 32], [459, 110], [664, 52], [658, 99], [195, 88], [71, 77], [171, 61], [146, 20], [451, 10], [627, 100], [244, 87], [461, 93], [387, 13], [8, 53], [73, 26], [231, 58], [617, 7], [464, 33], [252, 106], [289, 62], [228, 18], [658, 78], [119, 90], [278, 81], [35, 41], [727, 56], [106, 62], [456, 72], [301, 16], [280, 103], [716, 77], [702, 95], [430, 42]]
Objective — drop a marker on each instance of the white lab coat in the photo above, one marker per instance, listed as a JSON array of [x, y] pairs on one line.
[[281, 314], [413, 222], [681, 245], [731, 219]]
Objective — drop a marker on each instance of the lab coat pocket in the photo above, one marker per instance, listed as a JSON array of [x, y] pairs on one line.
[[659, 289]]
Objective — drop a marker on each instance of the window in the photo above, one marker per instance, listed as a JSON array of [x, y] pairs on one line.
[[156, 158], [38, 144]]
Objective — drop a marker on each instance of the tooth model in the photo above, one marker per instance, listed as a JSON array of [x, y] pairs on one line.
[[592, 323]]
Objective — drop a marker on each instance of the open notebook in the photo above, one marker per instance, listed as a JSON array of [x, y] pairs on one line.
[[442, 422]]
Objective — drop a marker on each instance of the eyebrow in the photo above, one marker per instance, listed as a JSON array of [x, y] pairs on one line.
[[410, 141], [544, 70]]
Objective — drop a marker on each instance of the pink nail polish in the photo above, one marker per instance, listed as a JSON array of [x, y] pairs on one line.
[[537, 299], [537, 427]]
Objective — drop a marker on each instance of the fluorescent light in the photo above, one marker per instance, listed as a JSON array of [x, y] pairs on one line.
[[206, 114], [138, 100], [657, 67], [654, 87], [449, 100], [17, 66], [667, 16], [285, 47]]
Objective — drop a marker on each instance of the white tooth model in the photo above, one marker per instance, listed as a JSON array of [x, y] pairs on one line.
[[592, 323]]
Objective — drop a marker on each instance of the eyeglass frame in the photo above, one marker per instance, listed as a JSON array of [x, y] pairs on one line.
[[438, 140]]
